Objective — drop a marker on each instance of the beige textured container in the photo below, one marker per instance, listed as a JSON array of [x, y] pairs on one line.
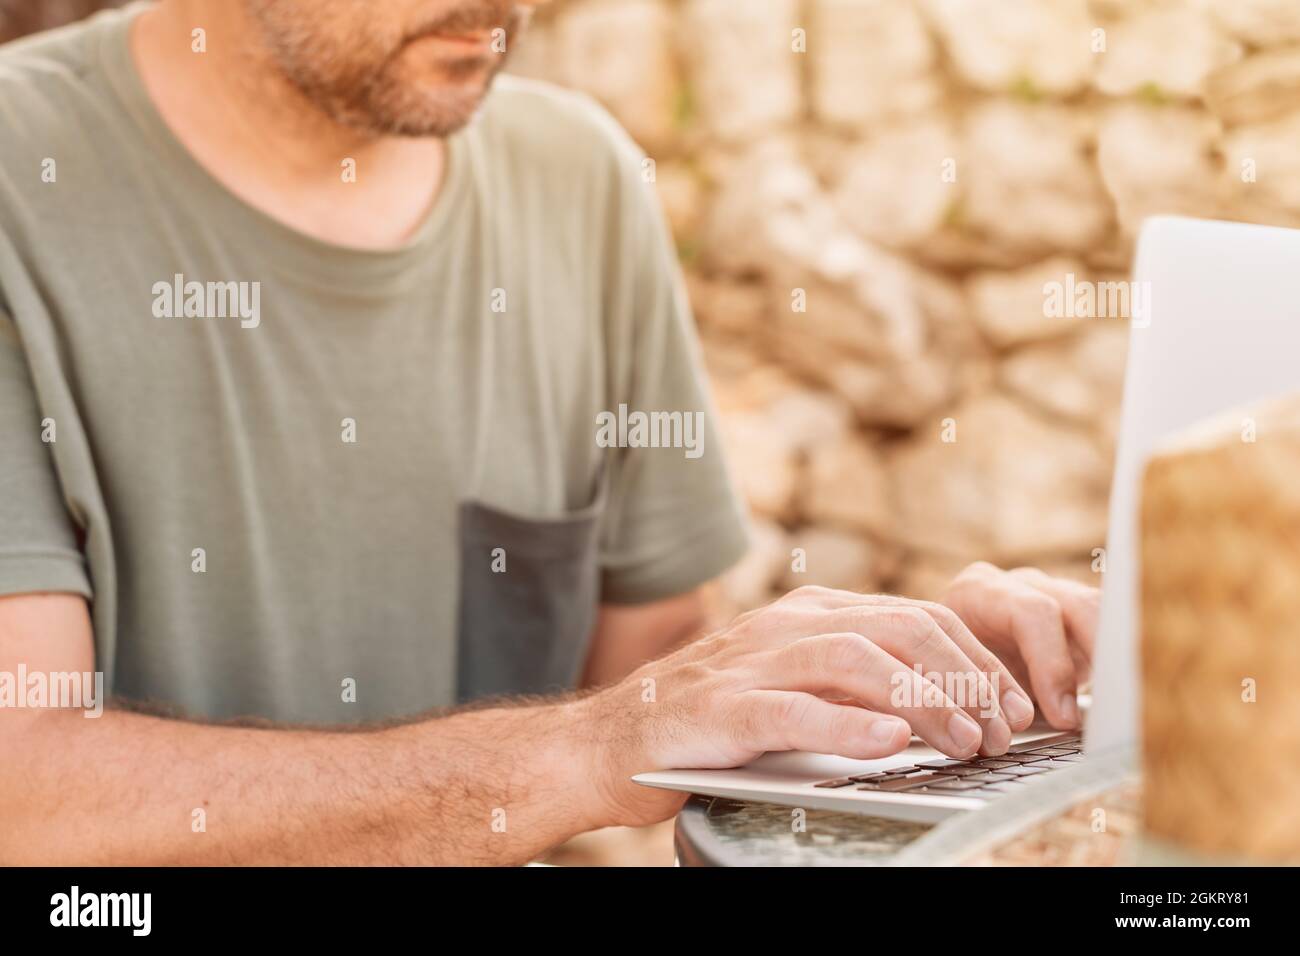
[[1220, 564]]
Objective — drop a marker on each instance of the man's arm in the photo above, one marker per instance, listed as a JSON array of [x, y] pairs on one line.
[[815, 670], [487, 786], [628, 635]]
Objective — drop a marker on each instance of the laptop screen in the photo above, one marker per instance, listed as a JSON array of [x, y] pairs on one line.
[[1223, 330]]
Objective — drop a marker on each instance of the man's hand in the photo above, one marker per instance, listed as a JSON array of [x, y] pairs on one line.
[[821, 670], [1042, 628]]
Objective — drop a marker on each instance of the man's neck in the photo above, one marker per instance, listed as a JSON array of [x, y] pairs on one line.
[[257, 134]]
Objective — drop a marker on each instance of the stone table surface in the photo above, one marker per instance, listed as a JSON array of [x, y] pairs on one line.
[[1097, 830]]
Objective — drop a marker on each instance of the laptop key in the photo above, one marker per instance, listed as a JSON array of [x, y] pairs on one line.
[[938, 764], [956, 786], [925, 780], [870, 778], [1028, 770], [993, 763], [1068, 740], [834, 783], [899, 784], [998, 788]]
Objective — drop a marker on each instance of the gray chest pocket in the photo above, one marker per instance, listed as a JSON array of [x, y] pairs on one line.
[[525, 629]]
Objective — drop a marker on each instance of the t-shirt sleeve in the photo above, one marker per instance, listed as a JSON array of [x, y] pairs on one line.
[[38, 545], [674, 519]]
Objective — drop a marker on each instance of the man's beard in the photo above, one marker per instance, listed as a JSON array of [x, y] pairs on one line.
[[358, 80]]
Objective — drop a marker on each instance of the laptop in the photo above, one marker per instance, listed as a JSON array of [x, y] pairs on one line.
[[1216, 323]]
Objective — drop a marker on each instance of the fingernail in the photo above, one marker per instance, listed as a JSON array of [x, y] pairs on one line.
[[997, 737], [964, 732], [1070, 709], [888, 731], [1017, 707]]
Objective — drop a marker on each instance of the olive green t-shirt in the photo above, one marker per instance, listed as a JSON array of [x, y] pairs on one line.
[[321, 484]]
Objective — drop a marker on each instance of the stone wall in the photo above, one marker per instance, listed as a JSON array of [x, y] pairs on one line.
[[910, 174]]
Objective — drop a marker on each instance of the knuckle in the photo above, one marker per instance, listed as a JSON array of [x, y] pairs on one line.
[[841, 725], [980, 569], [945, 616], [775, 725], [844, 652], [934, 646], [805, 593], [912, 622], [696, 673], [1089, 597], [1038, 605], [1030, 574], [790, 711], [762, 624], [987, 662]]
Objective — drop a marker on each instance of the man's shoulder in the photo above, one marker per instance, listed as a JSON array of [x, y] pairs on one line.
[[62, 55], [555, 125], [44, 76]]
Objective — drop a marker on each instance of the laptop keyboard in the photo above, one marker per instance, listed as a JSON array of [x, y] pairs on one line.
[[982, 777]]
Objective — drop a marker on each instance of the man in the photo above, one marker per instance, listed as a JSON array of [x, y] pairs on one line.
[[303, 340]]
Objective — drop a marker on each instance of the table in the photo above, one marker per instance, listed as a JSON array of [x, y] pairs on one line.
[[1055, 824], [712, 831]]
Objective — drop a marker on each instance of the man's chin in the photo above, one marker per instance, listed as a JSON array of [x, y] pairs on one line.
[[433, 99], [428, 108], [442, 118]]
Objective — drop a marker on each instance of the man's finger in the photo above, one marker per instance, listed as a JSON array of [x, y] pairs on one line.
[[777, 720], [850, 665], [1035, 621], [1012, 698], [1080, 604], [933, 638]]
